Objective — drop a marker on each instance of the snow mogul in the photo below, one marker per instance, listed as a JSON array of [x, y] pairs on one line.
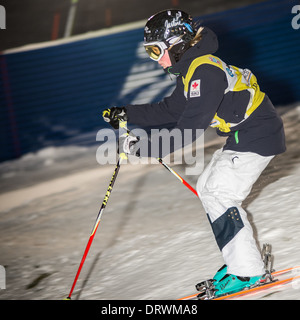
[[210, 92]]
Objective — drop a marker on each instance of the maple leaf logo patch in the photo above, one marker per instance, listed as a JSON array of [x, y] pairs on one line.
[[195, 89]]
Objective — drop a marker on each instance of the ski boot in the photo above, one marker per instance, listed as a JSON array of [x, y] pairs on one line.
[[223, 283], [231, 283]]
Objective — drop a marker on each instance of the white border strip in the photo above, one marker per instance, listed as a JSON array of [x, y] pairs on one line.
[[88, 35]]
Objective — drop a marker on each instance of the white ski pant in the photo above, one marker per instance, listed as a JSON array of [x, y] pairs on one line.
[[222, 187]]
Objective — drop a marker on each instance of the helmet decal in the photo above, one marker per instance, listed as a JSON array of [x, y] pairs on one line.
[[169, 23], [177, 21]]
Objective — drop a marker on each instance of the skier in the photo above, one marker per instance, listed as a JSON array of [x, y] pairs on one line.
[[211, 93]]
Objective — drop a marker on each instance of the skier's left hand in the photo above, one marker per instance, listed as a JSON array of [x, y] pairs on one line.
[[114, 115], [127, 144]]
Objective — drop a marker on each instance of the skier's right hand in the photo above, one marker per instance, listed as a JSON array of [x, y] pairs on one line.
[[127, 144], [114, 115]]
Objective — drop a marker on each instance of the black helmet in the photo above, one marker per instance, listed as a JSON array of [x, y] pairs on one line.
[[168, 24], [173, 29]]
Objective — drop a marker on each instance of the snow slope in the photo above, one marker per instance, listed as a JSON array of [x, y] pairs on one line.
[[154, 240]]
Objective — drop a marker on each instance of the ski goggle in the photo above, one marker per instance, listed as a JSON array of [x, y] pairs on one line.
[[155, 50]]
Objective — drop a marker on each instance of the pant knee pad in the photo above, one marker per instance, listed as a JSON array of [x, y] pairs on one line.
[[226, 226]]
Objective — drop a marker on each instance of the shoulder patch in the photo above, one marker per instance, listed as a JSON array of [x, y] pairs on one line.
[[195, 89]]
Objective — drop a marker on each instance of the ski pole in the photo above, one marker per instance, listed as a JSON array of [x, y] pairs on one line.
[[122, 156], [177, 176], [169, 169]]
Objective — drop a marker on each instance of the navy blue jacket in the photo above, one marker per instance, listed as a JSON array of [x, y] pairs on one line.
[[262, 132]]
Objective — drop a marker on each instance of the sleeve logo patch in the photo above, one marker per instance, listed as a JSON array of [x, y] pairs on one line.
[[195, 89]]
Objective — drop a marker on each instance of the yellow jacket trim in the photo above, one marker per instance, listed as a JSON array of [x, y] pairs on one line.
[[238, 80]]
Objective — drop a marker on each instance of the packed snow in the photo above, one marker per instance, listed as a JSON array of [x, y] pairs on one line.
[[154, 240]]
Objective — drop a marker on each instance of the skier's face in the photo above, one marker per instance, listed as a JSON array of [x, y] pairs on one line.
[[165, 60]]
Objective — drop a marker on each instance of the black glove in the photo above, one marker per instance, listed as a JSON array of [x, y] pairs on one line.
[[127, 144], [114, 115]]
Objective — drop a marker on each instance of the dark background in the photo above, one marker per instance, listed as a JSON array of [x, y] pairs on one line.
[[32, 21]]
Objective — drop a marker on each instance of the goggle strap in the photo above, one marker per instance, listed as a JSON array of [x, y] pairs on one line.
[[179, 38]]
